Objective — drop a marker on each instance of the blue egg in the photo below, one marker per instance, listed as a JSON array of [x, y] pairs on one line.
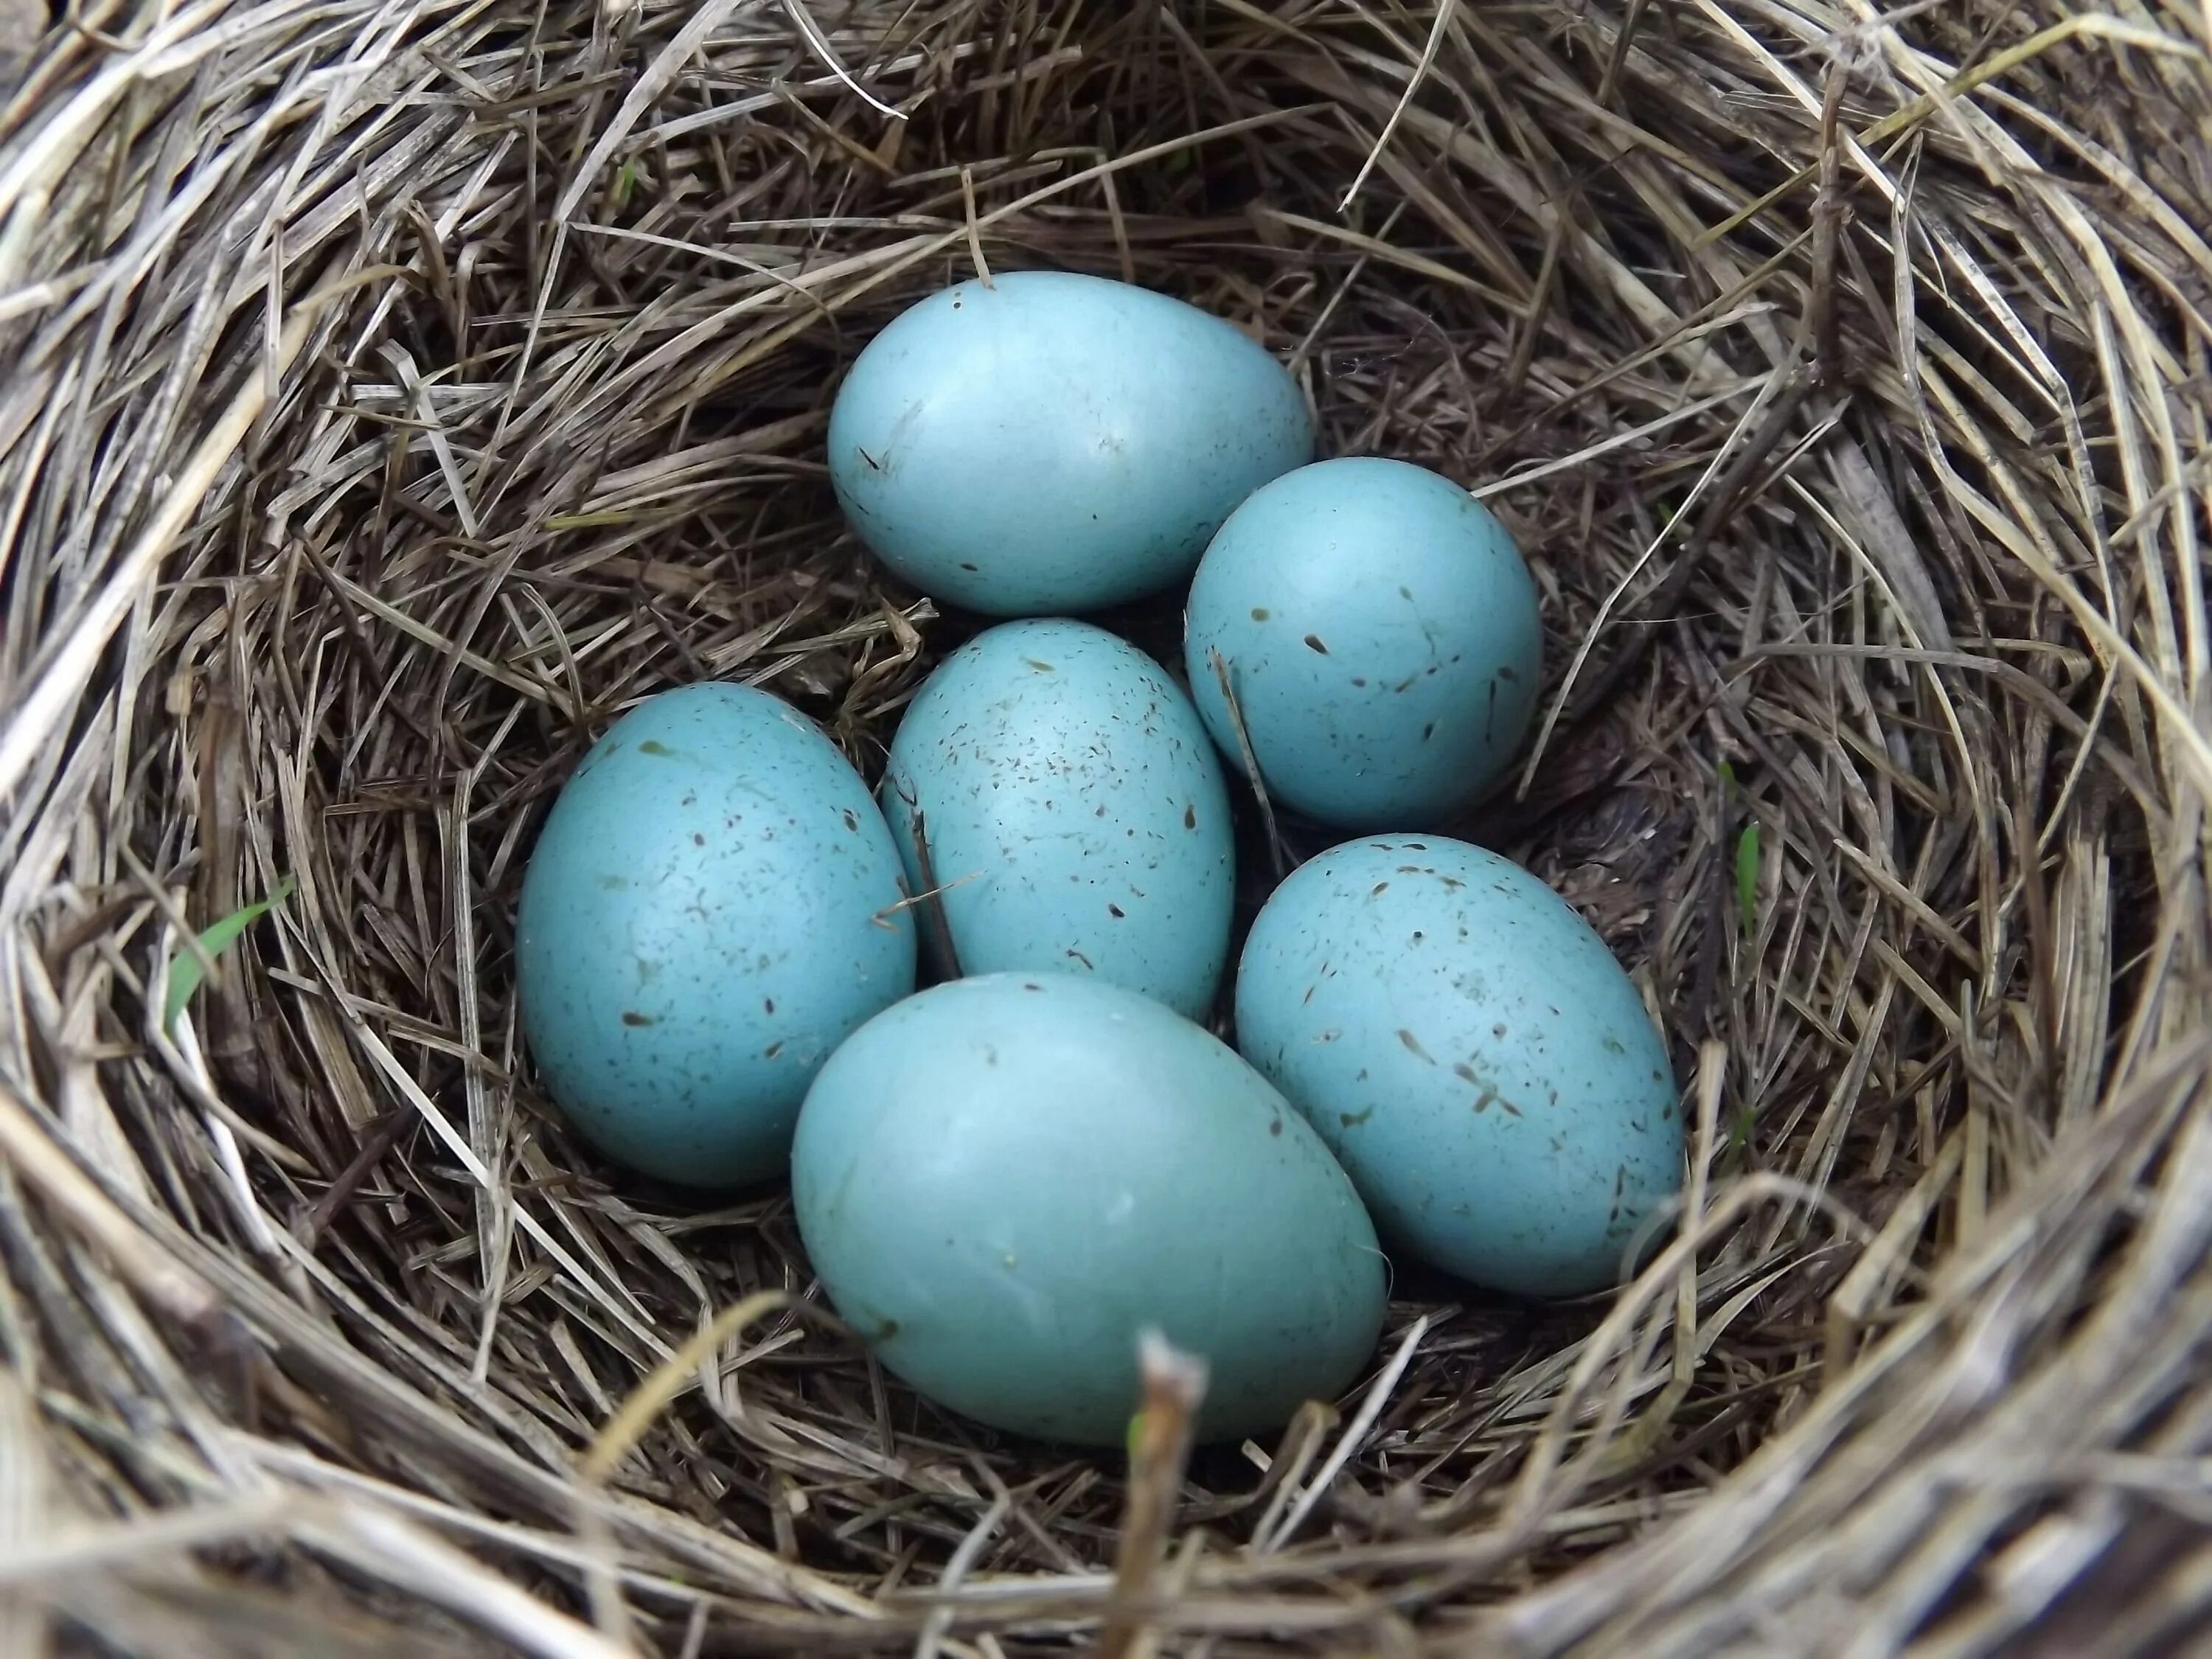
[[1050, 443], [712, 904], [1071, 812], [1382, 635], [1472, 1055], [1002, 1182]]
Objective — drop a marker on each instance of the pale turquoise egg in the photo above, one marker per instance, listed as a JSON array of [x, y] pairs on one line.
[[1072, 811], [1474, 1055], [712, 904], [1049, 443], [1382, 635], [1003, 1180]]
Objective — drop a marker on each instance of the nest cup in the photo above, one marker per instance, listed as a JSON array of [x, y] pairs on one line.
[[396, 391]]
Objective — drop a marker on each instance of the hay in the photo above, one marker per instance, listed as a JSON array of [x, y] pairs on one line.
[[396, 389]]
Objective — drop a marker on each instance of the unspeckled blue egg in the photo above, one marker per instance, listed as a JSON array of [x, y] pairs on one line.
[[1049, 443], [1072, 811], [1002, 1182], [1382, 635], [1474, 1055], [712, 904]]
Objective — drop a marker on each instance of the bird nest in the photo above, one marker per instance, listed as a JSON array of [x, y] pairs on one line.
[[397, 390]]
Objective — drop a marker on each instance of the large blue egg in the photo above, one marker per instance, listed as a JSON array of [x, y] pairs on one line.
[[712, 904], [1004, 1180], [1474, 1055], [1053, 789], [1382, 635], [1048, 443]]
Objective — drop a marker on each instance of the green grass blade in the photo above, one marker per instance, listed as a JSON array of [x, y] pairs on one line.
[[1746, 877], [188, 967]]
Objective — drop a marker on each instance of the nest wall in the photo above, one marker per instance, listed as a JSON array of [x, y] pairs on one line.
[[397, 390]]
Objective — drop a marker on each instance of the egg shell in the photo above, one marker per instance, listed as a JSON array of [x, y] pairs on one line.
[[1474, 1055], [1003, 1180], [712, 904], [1382, 636], [1050, 442], [1072, 811]]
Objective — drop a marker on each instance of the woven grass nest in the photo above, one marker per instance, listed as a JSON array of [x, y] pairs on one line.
[[396, 390]]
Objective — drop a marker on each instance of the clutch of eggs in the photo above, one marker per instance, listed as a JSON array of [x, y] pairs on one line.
[[1003, 1180]]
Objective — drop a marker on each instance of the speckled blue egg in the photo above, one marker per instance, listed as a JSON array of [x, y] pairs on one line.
[[1474, 1055], [1050, 443], [1052, 786], [1002, 1182], [712, 904], [1381, 632]]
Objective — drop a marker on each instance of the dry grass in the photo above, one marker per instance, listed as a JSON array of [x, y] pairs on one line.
[[396, 389]]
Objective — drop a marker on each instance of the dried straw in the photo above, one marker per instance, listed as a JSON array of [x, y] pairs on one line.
[[396, 389]]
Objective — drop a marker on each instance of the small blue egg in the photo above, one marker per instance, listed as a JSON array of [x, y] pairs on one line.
[[712, 904], [1382, 635], [1471, 1053], [1004, 1180], [1072, 813], [1050, 443]]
